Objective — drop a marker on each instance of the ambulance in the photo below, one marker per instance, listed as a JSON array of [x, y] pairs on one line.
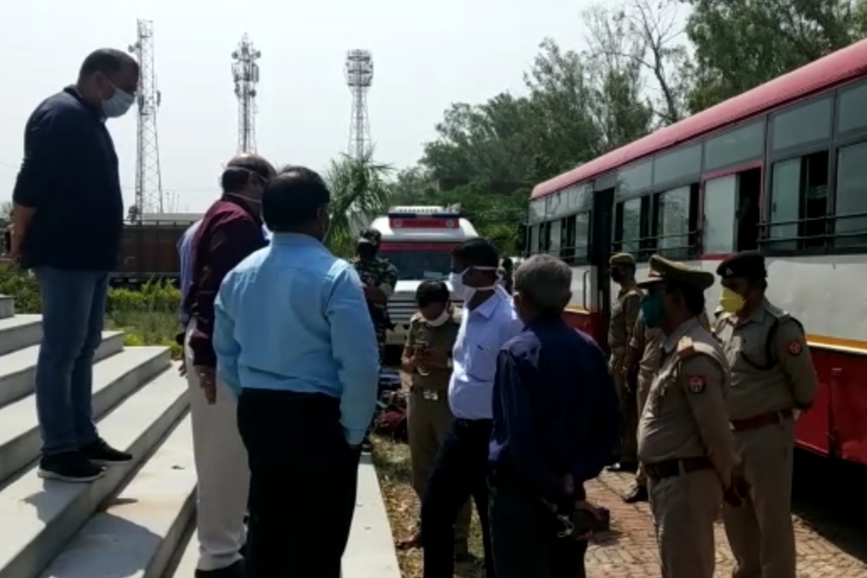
[[418, 241]]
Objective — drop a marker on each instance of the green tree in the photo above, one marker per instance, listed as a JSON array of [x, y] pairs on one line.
[[359, 192], [740, 44]]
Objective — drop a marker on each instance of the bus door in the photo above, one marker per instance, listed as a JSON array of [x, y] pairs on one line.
[[599, 283]]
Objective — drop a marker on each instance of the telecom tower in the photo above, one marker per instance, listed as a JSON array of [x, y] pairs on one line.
[[245, 72], [359, 77], [148, 181]]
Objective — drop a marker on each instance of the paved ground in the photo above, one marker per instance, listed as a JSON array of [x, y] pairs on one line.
[[830, 527]]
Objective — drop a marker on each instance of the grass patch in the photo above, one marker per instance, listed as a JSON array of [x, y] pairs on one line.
[[393, 470]]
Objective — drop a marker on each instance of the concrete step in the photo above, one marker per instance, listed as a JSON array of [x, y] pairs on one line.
[[113, 379], [18, 368], [19, 332], [370, 552], [139, 530], [7, 306], [39, 517]]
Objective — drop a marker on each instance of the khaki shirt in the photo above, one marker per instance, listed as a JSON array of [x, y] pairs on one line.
[[685, 414], [624, 313], [647, 344], [789, 380], [442, 337]]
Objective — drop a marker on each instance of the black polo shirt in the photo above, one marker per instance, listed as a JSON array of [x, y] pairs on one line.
[[70, 176]]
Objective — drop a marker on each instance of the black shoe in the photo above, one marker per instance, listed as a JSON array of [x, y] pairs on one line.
[[236, 570], [623, 467], [69, 467], [638, 494], [103, 454]]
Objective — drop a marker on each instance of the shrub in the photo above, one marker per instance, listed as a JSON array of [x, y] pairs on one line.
[[148, 316]]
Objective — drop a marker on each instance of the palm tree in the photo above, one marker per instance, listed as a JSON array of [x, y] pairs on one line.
[[359, 192]]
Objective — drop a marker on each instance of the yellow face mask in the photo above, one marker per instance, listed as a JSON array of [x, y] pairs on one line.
[[730, 301]]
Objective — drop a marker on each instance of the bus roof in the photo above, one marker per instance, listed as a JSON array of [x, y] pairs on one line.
[[834, 69]]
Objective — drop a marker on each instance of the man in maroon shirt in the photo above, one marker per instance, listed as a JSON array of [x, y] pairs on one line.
[[230, 231]]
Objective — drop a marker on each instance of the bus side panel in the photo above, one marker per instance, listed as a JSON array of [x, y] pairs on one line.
[[843, 391]]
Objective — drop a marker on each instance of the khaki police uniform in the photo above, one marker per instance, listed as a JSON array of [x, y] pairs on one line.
[[624, 314], [428, 412], [771, 380], [684, 442], [648, 342]]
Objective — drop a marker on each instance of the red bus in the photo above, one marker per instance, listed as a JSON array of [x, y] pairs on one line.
[[782, 169]]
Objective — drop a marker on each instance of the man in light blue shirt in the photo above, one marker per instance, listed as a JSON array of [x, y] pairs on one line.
[[488, 322], [295, 341]]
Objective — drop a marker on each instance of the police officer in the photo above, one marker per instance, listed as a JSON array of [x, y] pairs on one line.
[[772, 381], [646, 347], [433, 331], [379, 277], [624, 313], [684, 442]]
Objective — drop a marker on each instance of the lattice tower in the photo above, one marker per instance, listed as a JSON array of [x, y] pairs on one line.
[[148, 180], [359, 77], [245, 73]]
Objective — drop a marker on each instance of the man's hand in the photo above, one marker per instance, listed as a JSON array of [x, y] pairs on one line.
[[15, 243], [737, 491], [436, 357], [182, 370], [208, 382]]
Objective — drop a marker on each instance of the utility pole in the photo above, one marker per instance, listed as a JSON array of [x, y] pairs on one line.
[[148, 180], [359, 77], [245, 73]]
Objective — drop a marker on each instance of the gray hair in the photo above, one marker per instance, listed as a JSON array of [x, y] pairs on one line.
[[545, 282]]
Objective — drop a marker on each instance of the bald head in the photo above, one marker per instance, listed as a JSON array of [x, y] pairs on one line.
[[246, 170]]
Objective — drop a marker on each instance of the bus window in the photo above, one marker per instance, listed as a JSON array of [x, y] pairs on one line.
[[628, 226], [799, 203], [749, 209], [850, 202], [720, 196], [672, 223]]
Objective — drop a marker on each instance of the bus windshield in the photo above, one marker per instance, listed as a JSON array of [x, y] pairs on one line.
[[415, 263]]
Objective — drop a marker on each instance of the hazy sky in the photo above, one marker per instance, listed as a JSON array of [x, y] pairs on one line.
[[427, 54]]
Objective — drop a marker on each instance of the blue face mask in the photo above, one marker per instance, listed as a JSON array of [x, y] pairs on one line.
[[652, 310], [119, 104]]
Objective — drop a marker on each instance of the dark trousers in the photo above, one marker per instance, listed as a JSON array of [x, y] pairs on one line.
[[303, 478], [524, 541], [460, 472]]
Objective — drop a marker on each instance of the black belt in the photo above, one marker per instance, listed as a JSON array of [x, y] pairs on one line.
[[671, 468]]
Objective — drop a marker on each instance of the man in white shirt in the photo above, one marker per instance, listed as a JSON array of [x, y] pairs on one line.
[[461, 469]]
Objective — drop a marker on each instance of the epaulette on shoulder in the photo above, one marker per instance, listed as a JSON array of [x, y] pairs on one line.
[[777, 313], [685, 347]]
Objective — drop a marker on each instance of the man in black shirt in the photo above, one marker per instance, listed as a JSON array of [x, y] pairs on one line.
[[556, 418], [67, 228]]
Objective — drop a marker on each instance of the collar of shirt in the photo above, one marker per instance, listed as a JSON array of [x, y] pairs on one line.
[[95, 110], [295, 240], [489, 305], [671, 341], [757, 315]]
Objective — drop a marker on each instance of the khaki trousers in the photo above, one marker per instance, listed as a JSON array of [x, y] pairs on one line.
[[685, 508], [222, 471], [644, 382], [760, 531], [629, 433], [427, 423]]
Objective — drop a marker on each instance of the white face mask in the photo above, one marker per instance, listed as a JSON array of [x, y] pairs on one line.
[[461, 291], [439, 321]]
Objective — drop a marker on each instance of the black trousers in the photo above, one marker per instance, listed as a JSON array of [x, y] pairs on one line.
[[460, 472], [524, 541], [303, 478]]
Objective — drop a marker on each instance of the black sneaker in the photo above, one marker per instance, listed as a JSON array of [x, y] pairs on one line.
[[69, 467], [103, 454], [236, 570]]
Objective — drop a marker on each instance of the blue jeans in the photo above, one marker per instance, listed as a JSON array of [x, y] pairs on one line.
[[73, 313]]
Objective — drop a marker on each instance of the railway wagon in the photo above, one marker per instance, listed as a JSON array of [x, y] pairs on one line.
[[781, 169], [149, 252]]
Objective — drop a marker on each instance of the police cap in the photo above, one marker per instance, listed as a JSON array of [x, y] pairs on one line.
[[662, 270], [371, 236], [749, 264], [622, 259]]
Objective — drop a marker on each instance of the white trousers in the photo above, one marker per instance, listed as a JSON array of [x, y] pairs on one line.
[[222, 470]]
